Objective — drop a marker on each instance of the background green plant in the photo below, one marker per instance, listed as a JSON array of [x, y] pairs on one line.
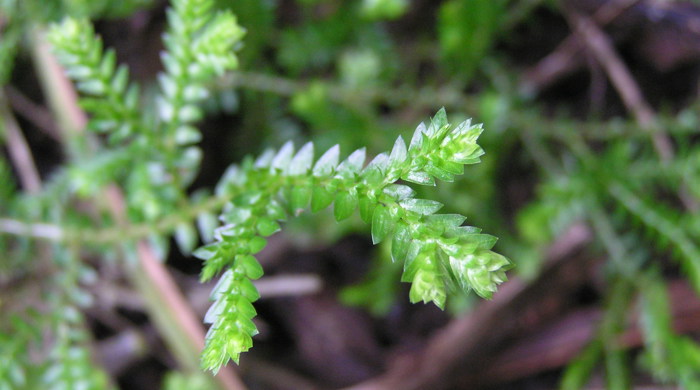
[[335, 73]]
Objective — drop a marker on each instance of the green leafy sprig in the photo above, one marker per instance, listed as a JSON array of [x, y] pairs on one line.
[[199, 47], [669, 356], [439, 254], [114, 104], [155, 157]]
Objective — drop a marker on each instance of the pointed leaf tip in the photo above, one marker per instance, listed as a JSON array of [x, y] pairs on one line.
[[399, 152], [328, 161], [417, 139], [437, 122], [301, 162], [357, 159], [282, 159]]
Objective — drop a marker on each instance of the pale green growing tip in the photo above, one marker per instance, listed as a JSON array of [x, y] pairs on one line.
[[485, 271]]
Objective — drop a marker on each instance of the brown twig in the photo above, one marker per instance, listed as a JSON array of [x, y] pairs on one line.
[[19, 151], [555, 345], [32, 112], [71, 119], [274, 376], [602, 49], [566, 57]]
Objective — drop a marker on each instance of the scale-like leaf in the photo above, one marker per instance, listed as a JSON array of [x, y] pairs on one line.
[[321, 198], [399, 153], [283, 157], [300, 197], [400, 242], [417, 139], [421, 206], [267, 226], [382, 223], [328, 162], [345, 204], [301, 162], [354, 162]]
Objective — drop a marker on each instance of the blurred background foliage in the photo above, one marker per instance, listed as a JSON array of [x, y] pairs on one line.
[[591, 116]]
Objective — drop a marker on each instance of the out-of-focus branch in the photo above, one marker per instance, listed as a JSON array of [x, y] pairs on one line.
[[36, 230], [566, 57], [175, 319], [59, 91], [621, 77], [112, 234], [19, 151], [36, 114], [618, 73]]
